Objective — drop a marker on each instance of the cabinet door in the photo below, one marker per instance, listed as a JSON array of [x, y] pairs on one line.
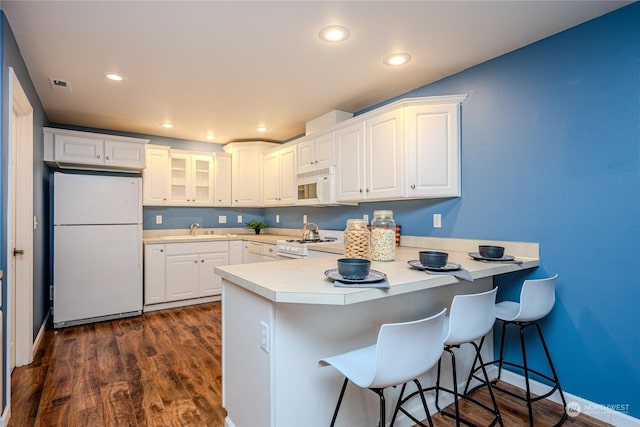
[[384, 160], [288, 189], [235, 252], [155, 178], [201, 188], [182, 277], [271, 179], [124, 154], [222, 180], [350, 157], [180, 178], [247, 167], [432, 140], [325, 151], [154, 274], [209, 282], [306, 156], [76, 149]]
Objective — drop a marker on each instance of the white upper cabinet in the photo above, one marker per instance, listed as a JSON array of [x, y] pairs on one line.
[[350, 163], [93, 151], [155, 177], [247, 165], [432, 141], [316, 152], [221, 179], [409, 149], [191, 179], [383, 153], [369, 157], [279, 177]]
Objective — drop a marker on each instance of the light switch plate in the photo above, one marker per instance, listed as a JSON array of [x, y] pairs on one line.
[[264, 336], [277, 219], [437, 220], [158, 219], [239, 219], [222, 219]]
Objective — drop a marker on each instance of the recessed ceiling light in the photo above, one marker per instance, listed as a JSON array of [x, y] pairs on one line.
[[334, 33], [115, 77], [210, 136], [167, 125], [395, 59], [262, 129]]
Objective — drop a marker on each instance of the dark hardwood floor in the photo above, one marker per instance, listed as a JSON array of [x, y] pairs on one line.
[[159, 369]]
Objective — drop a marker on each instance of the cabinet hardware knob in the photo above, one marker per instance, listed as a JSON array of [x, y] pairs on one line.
[[201, 260], [97, 156], [361, 190], [316, 162], [161, 250], [311, 162], [107, 158], [367, 190], [413, 186], [196, 261]]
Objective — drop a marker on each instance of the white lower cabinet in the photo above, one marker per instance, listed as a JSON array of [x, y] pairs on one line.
[[183, 271]]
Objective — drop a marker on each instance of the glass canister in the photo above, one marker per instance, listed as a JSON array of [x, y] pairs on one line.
[[383, 236], [356, 239]]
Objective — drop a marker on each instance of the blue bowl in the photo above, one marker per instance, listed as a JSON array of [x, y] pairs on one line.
[[488, 251], [354, 268], [433, 259]]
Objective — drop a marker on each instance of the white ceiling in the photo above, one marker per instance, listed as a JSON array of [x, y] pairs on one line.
[[227, 67]]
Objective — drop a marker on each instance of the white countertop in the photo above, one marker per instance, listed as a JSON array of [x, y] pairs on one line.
[[302, 281]]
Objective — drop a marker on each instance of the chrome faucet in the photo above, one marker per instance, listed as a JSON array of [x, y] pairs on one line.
[[192, 228]]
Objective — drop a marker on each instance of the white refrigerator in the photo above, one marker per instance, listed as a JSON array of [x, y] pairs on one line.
[[97, 248]]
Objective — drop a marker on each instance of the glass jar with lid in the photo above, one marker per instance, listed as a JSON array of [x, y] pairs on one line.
[[356, 239], [383, 236]]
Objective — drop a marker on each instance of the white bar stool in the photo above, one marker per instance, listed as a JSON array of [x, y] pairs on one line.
[[537, 298], [471, 318], [402, 353]]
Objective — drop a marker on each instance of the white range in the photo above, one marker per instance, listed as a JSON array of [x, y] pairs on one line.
[[303, 248]]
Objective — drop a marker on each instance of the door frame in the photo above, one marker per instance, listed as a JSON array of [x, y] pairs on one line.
[[24, 224]]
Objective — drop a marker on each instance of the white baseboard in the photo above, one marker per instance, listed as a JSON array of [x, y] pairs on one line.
[[576, 404], [181, 303], [40, 336]]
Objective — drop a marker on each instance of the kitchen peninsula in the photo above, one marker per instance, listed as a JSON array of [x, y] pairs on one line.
[[280, 317]]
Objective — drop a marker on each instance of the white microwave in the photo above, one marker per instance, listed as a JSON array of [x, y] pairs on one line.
[[316, 187]]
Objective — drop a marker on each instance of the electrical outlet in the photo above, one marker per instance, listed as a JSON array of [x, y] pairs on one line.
[[277, 219], [366, 218], [264, 336], [304, 219], [437, 220], [222, 219], [239, 219], [158, 219]]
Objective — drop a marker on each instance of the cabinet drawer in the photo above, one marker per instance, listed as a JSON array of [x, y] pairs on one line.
[[196, 248]]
